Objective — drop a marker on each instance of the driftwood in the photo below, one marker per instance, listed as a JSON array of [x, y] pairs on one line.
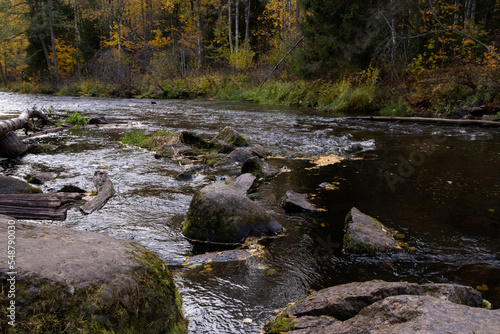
[[37, 206], [459, 122], [22, 122], [105, 192]]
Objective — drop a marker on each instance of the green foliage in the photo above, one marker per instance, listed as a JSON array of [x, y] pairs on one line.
[[396, 109], [138, 138], [76, 119]]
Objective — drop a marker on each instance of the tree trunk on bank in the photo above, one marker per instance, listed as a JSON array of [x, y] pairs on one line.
[[77, 43], [53, 41], [229, 23]]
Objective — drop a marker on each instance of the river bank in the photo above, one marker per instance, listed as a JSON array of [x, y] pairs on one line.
[[430, 94]]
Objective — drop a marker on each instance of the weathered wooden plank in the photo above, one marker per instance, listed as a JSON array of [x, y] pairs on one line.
[[34, 212], [48, 200]]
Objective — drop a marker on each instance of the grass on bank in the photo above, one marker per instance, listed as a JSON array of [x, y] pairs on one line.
[[431, 93]]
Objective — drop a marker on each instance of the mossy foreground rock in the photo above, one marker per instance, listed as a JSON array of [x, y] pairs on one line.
[[69, 281], [366, 235], [220, 213], [11, 185], [388, 307]]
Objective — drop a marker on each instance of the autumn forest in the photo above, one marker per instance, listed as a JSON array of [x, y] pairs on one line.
[[334, 53]]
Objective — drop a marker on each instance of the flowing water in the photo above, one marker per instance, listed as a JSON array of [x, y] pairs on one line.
[[446, 203]]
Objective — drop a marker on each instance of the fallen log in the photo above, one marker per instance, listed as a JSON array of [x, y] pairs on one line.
[[49, 206], [10, 145], [460, 122], [105, 190], [22, 122]]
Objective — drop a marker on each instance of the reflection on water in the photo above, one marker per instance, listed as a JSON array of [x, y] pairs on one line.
[[447, 206]]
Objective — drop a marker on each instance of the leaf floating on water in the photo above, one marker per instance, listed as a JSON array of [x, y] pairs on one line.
[[483, 287], [491, 210], [330, 185], [325, 160]]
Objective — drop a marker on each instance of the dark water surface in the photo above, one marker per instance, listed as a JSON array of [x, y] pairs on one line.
[[447, 204]]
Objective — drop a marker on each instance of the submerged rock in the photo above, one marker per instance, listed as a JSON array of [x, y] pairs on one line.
[[222, 214], [10, 185], [388, 307], [42, 177], [295, 202], [70, 281], [189, 174], [366, 235]]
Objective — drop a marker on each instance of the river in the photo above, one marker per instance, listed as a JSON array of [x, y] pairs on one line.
[[446, 203]]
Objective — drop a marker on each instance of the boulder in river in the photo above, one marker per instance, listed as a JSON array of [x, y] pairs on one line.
[[219, 213], [240, 155], [11, 146], [11, 185], [259, 168], [230, 136], [295, 202], [69, 281], [366, 235], [388, 307]]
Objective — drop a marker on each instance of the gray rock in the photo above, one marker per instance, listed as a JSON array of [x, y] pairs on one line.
[[420, 314], [71, 189], [230, 136], [72, 281], [240, 155], [244, 183], [259, 168], [259, 151], [11, 146], [295, 202], [387, 307], [366, 235], [194, 140], [175, 149], [98, 120], [42, 177], [10, 185], [345, 301], [222, 214]]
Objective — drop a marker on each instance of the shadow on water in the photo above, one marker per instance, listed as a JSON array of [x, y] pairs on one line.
[[446, 201]]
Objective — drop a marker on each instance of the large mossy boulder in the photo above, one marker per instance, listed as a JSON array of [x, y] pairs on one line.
[[219, 213], [11, 185], [366, 235], [70, 281], [388, 307]]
